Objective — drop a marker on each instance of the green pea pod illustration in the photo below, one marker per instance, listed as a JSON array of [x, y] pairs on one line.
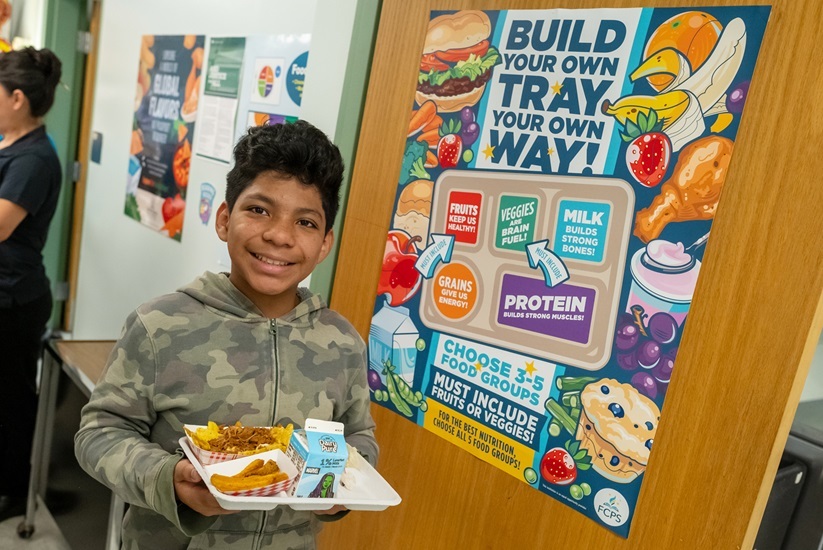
[[398, 401], [415, 399]]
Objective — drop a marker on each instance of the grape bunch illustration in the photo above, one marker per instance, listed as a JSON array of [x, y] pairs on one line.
[[648, 347]]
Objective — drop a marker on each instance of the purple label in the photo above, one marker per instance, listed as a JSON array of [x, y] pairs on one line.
[[564, 311]]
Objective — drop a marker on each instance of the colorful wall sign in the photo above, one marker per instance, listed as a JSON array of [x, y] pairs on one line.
[[560, 177], [274, 69]]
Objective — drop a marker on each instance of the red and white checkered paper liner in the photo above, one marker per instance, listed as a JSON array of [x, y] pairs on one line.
[[211, 457], [267, 491]]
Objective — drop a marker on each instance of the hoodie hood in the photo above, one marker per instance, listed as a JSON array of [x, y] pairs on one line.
[[216, 291]]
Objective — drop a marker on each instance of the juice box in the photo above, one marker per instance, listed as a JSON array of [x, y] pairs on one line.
[[319, 455]]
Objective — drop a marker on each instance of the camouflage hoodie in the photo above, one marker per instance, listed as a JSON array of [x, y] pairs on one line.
[[206, 353]]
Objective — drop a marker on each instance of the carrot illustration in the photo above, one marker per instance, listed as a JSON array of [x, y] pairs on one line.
[[431, 137], [421, 117]]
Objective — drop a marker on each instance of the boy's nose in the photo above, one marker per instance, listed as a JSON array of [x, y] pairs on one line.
[[280, 233]]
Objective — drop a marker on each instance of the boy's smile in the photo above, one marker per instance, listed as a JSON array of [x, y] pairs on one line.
[[276, 235]]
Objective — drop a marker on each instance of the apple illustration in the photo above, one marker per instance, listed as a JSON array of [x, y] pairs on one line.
[[399, 280], [172, 206]]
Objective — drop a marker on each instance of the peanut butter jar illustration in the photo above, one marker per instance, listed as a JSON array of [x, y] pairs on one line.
[[617, 426]]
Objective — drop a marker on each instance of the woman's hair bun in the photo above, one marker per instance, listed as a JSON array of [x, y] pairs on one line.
[[49, 64]]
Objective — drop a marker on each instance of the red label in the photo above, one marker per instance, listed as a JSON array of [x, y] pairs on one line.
[[463, 217]]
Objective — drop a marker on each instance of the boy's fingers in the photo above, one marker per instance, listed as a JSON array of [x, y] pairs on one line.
[[194, 476], [184, 471]]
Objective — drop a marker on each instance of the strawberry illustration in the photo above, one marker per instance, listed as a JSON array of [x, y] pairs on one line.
[[560, 465], [450, 146], [649, 150]]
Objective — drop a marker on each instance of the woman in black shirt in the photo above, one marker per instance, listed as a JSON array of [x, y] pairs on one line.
[[30, 178]]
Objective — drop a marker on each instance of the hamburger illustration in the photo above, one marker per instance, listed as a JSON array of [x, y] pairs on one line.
[[414, 210], [457, 60]]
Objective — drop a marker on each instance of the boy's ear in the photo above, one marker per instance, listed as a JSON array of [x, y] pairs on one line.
[[221, 222], [328, 242]]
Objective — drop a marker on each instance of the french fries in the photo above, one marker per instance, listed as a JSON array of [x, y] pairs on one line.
[[239, 439], [254, 476]]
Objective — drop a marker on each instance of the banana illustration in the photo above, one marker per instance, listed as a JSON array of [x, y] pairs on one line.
[[711, 80], [667, 61], [679, 111], [702, 91], [669, 107]]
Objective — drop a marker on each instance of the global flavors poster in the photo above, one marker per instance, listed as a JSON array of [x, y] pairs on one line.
[[561, 173], [165, 110]]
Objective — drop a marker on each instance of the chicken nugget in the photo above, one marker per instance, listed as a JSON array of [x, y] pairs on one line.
[[229, 484], [252, 468]]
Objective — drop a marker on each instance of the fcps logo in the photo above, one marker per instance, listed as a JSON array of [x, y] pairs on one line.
[[611, 507]]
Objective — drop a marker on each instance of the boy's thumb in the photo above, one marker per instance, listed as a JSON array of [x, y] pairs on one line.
[[192, 474]]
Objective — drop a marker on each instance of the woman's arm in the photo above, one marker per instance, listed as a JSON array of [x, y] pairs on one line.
[[10, 217]]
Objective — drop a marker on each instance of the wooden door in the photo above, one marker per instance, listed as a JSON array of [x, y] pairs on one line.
[[753, 327], [83, 155]]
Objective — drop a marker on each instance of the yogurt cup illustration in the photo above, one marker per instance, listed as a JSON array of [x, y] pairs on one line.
[[663, 279]]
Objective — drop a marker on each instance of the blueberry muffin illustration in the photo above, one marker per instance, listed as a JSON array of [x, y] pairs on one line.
[[617, 427]]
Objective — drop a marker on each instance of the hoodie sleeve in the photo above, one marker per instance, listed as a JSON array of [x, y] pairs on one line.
[[357, 415], [112, 444]]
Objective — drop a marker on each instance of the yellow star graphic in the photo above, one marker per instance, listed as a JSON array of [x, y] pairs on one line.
[[550, 151], [478, 366], [556, 88], [489, 151], [530, 368]]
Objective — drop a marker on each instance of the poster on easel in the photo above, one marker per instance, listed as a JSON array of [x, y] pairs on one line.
[[165, 112], [561, 173], [273, 76]]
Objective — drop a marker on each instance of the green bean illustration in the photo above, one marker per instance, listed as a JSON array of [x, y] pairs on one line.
[[394, 395], [404, 389]]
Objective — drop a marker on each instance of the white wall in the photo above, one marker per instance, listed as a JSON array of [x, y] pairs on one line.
[[814, 383], [124, 263], [27, 23]]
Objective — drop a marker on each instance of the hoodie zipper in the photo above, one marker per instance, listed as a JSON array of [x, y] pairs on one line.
[[273, 331]]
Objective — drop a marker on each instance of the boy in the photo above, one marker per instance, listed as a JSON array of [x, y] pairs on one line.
[[250, 346]]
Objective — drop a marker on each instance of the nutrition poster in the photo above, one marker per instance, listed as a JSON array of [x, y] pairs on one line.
[[561, 173], [165, 110], [274, 69], [215, 132]]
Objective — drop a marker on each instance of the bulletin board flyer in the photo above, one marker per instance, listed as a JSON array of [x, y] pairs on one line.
[[561, 173]]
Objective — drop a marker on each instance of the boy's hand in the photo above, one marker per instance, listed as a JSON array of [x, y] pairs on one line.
[[191, 491], [331, 511]]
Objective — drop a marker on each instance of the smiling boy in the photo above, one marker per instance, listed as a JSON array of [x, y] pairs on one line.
[[250, 345]]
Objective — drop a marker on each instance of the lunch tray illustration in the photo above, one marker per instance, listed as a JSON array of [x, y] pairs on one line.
[[493, 217]]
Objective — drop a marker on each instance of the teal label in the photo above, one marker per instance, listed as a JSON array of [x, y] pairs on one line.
[[581, 230]]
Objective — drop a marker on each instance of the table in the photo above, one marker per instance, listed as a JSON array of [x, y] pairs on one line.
[[83, 362]]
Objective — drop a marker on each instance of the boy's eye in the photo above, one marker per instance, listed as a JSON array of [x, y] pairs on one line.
[[257, 210], [307, 223]]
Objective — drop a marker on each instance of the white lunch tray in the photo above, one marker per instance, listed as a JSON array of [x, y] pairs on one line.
[[371, 491]]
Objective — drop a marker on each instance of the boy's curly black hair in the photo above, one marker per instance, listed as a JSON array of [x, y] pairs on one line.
[[296, 150]]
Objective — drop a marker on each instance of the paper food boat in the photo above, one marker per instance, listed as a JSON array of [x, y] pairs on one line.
[[232, 467], [214, 457]]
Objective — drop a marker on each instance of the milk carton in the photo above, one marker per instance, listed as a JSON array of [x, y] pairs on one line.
[[319, 454]]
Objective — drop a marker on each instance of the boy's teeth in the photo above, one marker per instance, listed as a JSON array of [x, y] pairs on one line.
[[270, 262]]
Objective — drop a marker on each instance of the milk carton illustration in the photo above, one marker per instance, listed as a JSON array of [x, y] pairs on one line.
[[393, 336], [319, 454]]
